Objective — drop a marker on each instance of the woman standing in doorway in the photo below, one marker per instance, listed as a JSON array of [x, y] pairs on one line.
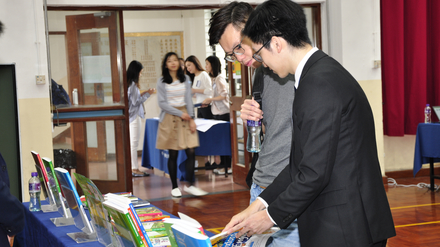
[[201, 87], [136, 111], [219, 102], [177, 129]]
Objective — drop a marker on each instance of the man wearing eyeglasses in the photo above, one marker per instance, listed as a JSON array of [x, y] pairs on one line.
[[333, 183], [277, 100]]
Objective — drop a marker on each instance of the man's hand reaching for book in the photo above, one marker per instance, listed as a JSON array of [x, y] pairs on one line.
[[256, 223], [253, 220]]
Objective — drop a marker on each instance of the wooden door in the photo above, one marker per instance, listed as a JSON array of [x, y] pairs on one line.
[[99, 140], [240, 87]]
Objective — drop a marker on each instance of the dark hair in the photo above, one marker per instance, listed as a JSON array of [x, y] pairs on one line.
[[236, 13], [134, 68], [282, 18], [167, 78], [1, 27], [193, 59], [216, 66]]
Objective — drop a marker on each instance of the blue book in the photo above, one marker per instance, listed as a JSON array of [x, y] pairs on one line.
[[189, 236]]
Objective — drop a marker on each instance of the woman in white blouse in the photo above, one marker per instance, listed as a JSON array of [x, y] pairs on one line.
[[219, 102], [201, 86]]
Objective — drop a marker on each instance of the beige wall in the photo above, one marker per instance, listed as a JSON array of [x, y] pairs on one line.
[[35, 132]]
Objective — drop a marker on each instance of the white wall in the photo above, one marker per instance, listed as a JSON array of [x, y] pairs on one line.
[[24, 44], [351, 35]]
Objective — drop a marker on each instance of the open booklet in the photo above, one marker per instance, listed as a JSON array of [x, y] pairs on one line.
[[187, 231]]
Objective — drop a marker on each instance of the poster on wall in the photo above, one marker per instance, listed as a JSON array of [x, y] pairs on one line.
[[149, 49]]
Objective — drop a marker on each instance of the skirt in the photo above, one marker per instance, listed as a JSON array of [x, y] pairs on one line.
[[174, 133]]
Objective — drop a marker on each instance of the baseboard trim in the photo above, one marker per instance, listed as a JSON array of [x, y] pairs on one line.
[[409, 173]]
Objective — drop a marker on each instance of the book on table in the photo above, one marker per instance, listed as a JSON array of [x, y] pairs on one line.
[[126, 203], [98, 214], [48, 188], [63, 209], [135, 201], [76, 208]]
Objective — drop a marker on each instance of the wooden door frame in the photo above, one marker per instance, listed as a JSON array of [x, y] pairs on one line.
[[240, 173], [123, 159]]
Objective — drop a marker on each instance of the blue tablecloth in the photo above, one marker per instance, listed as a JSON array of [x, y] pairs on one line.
[[215, 141], [427, 145], [40, 230]]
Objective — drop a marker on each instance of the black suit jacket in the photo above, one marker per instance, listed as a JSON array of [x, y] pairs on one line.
[[11, 209], [333, 184]]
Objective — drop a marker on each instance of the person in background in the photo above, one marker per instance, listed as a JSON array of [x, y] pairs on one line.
[[177, 129], [201, 86], [333, 183], [219, 102], [182, 63], [201, 89], [277, 100], [136, 111]]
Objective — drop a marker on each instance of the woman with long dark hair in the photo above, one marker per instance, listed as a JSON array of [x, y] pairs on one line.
[[219, 102], [177, 129], [136, 111], [201, 86]]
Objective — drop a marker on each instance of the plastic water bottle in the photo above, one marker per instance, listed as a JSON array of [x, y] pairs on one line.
[[75, 96], [34, 193], [427, 114], [253, 144]]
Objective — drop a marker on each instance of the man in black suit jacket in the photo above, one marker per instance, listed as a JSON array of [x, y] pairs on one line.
[[12, 211], [333, 184]]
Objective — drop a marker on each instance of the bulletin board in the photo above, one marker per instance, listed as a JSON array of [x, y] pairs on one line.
[[149, 49]]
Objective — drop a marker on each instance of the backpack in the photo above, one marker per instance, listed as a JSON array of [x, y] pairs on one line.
[[257, 91], [59, 96]]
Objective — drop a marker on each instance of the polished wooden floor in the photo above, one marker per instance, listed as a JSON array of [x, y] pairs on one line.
[[416, 211]]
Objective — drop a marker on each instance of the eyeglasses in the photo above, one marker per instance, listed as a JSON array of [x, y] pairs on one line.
[[237, 50], [257, 56]]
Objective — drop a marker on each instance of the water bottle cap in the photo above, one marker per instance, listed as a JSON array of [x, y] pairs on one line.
[[253, 123], [34, 174], [427, 104]]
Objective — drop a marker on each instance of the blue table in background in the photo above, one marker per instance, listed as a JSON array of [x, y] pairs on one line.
[[215, 141], [427, 149]]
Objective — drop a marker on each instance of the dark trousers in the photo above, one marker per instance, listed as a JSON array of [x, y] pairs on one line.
[[380, 244], [204, 112]]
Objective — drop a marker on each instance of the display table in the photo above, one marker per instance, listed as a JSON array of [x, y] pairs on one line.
[[40, 231], [427, 149], [215, 141]]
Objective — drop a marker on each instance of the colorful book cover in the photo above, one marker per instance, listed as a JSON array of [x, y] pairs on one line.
[[148, 211], [137, 222], [123, 219], [65, 180], [51, 172], [39, 163], [170, 233], [188, 236], [191, 221], [153, 226], [152, 218]]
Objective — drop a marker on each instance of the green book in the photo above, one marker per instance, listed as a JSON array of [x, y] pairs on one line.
[[122, 217]]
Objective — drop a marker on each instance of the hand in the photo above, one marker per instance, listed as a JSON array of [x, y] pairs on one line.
[[250, 110], [255, 207], [206, 102], [185, 116], [255, 224], [149, 91], [192, 126]]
